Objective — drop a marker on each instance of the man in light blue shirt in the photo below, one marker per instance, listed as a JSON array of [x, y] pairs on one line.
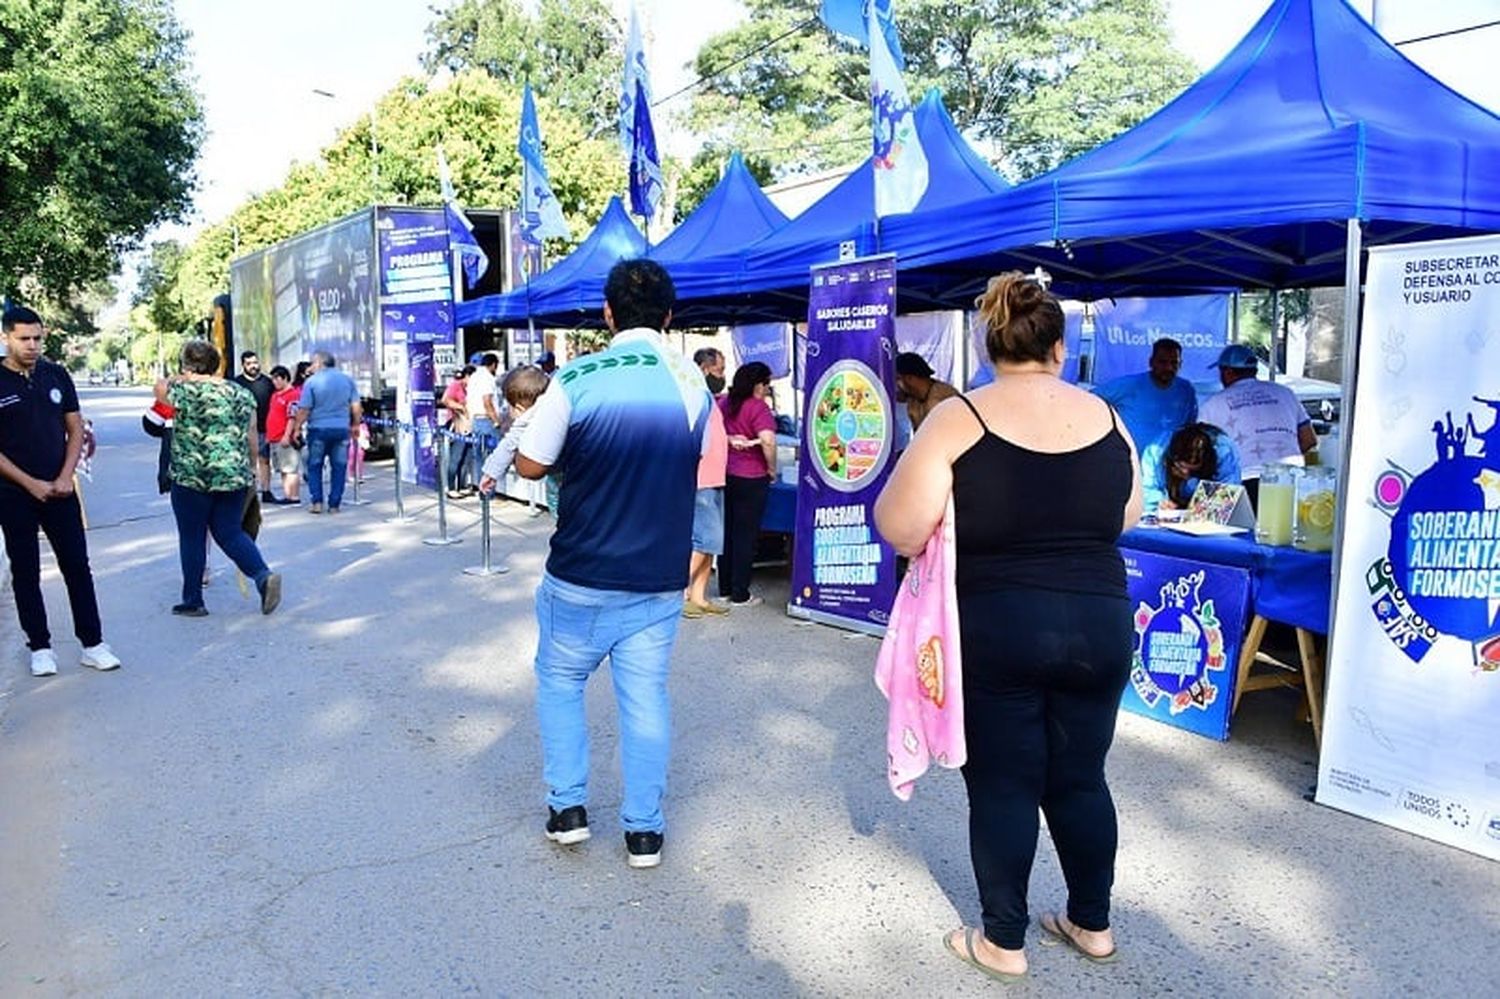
[[624, 429], [1156, 402], [328, 408]]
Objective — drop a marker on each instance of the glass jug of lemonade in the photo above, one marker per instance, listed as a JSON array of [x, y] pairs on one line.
[[1273, 508], [1316, 498]]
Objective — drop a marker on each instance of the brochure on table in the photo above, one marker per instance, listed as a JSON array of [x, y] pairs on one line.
[[1410, 728]]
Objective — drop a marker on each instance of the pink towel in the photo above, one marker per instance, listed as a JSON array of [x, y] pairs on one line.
[[918, 669]]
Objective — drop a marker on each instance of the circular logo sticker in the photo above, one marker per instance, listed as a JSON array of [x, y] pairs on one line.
[[55, 395], [1179, 643], [849, 432]]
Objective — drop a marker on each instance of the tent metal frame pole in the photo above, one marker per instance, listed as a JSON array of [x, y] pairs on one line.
[[1275, 330], [1249, 247], [1354, 251]]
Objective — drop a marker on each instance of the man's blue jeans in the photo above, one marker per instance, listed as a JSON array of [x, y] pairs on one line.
[[578, 627], [331, 443], [485, 440], [458, 464]]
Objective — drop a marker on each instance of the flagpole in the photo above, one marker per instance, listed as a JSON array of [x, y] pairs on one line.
[[530, 321]]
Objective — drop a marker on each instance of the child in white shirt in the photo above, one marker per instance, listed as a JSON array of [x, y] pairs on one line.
[[522, 387]]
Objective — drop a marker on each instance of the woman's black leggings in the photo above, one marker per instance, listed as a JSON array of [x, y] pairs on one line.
[[1043, 673], [744, 506]]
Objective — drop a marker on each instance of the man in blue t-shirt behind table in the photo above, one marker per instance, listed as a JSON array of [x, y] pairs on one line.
[[1154, 403], [329, 407], [624, 429]]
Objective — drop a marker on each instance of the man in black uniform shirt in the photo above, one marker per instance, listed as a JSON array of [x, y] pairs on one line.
[[41, 435], [262, 388]]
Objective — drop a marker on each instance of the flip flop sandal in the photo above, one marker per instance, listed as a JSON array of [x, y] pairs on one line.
[[691, 612], [967, 956], [1053, 933]]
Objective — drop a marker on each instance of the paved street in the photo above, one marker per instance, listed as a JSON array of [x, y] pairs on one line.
[[344, 798]]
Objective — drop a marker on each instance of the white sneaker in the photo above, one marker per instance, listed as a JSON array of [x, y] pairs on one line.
[[101, 657], [43, 662]]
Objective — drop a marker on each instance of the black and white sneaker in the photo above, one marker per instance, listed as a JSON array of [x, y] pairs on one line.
[[643, 849], [569, 826]]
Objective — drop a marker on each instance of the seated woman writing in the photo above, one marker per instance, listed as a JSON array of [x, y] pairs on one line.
[[1172, 469]]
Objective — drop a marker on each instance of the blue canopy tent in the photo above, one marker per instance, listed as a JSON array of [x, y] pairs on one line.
[[1250, 178], [573, 285], [1313, 138], [572, 292], [737, 258], [767, 279], [735, 212]]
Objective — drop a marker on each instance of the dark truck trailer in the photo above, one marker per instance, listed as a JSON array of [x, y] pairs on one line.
[[374, 289]]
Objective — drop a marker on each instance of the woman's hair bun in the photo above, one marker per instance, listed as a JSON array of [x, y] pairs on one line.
[[1023, 296], [1022, 319]]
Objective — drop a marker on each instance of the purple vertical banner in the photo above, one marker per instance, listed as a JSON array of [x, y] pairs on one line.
[[843, 573], [416, 317]]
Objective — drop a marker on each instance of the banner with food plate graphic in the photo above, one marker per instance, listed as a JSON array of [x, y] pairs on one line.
[[1410, 730], [843, 572]]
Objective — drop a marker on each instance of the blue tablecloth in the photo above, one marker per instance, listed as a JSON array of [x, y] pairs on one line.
[[1286, 584], [781, 509]]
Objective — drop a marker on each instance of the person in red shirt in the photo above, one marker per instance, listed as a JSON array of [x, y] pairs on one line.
[[286, 457], [751, 429]]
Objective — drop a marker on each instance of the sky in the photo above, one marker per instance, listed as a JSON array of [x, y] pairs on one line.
[[259, 64]]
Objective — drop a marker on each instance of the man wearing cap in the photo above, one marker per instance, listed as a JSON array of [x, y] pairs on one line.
[[918, 389], [1265, 420], [1155, 402]]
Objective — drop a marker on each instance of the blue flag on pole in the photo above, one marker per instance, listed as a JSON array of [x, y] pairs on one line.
[[460, 230], [850, 19], [645, 168], [635, 76], [898, 159], [541, 214]]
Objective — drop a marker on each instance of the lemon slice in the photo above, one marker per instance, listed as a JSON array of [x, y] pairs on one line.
[[1317, 510]]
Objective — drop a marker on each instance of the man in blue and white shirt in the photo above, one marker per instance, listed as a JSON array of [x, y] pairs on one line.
[[623, 430]]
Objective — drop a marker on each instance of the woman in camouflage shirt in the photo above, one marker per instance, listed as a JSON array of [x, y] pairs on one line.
[[213, 455]]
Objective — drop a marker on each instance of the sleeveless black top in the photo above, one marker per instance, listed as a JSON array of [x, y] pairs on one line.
[[1028, 519]]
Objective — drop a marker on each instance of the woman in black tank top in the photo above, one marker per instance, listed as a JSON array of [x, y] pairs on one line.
[[1044, 622]]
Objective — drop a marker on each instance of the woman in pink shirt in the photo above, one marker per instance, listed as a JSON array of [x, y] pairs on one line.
[[453, 415], [708, 520], [751, 429]]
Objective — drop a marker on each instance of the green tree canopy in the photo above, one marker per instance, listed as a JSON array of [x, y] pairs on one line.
[[156, 289], [1041, 79], [572, 51], [473, 116], [101, 128]]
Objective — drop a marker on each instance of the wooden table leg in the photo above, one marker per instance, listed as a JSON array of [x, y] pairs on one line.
[[1253, 637], [1312, 679]]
